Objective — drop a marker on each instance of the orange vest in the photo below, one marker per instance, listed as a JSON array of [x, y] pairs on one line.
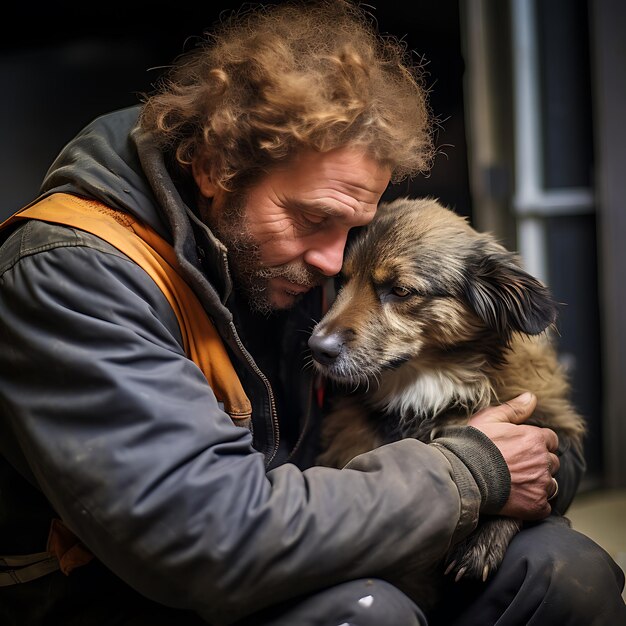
[[201, 343], [144, 246]]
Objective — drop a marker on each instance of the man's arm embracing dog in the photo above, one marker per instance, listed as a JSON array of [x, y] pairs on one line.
[[434, 323]]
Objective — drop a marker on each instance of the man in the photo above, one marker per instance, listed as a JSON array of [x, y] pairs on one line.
[[158, 421]]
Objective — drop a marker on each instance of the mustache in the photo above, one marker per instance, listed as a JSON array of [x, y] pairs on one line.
[[295, 272]]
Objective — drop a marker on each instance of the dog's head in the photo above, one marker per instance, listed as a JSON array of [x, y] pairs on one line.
[[420, 282]]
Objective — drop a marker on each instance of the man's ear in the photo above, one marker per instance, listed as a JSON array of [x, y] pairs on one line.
[[203, 180]]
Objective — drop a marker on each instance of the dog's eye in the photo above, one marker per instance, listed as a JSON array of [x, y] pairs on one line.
[[400, 292]]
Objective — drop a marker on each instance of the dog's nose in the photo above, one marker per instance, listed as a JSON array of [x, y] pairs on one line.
[[325, 348]]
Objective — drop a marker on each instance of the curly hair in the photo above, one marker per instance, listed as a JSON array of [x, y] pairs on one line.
[[273, 80]]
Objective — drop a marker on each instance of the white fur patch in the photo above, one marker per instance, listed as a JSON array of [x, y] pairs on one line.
[[413, 391]]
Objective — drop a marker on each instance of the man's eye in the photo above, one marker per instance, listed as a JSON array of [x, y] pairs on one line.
[[314, 219], [311, 222]]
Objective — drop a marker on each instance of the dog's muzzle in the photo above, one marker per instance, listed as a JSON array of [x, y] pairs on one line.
[[326, 348]]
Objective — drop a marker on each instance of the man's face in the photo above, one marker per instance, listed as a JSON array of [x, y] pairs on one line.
[[289, 230]]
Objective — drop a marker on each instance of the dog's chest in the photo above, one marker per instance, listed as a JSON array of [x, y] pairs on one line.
[[411, 403]]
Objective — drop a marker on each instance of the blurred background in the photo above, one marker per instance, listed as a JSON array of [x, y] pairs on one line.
[[530, 97]]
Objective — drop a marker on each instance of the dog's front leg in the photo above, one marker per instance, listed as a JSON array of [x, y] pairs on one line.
[[479, 555], [346, 432]]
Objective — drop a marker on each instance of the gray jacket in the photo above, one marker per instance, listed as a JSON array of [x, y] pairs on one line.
[[102, 411]]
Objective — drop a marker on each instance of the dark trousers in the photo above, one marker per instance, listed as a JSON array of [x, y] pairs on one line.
[[551, 575]]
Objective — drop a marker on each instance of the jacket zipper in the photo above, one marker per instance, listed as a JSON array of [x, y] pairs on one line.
[[248, 357], [268, 387]]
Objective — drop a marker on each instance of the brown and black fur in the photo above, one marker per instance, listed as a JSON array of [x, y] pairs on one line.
[[434, 322]]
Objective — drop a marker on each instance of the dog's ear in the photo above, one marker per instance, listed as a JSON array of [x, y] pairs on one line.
[[506, 297]]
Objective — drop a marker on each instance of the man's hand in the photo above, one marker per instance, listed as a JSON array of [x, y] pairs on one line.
[[528, 452]]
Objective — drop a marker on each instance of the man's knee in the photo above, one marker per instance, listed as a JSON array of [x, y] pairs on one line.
[[555, 547], [363, 602], [568, 568], [550, 574], [375, 602]]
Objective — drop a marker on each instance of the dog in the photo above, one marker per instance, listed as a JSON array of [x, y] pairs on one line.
[[433, 322]]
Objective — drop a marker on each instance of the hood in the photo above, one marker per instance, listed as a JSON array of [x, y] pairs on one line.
[[102, 163], [113, 161]]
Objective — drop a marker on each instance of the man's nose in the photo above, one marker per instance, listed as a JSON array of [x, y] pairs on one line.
[[327, 253]]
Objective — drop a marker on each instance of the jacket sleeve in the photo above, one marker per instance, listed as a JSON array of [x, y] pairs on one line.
[[126, 440]]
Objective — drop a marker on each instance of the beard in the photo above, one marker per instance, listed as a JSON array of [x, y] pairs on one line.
[[250, 276]]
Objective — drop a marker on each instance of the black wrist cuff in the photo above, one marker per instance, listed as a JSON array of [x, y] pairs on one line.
[[484, 461]]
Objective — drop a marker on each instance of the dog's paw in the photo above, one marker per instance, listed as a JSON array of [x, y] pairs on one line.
[[479, 555]]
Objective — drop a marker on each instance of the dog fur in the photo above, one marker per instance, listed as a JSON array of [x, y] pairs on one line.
[[435, 321]]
